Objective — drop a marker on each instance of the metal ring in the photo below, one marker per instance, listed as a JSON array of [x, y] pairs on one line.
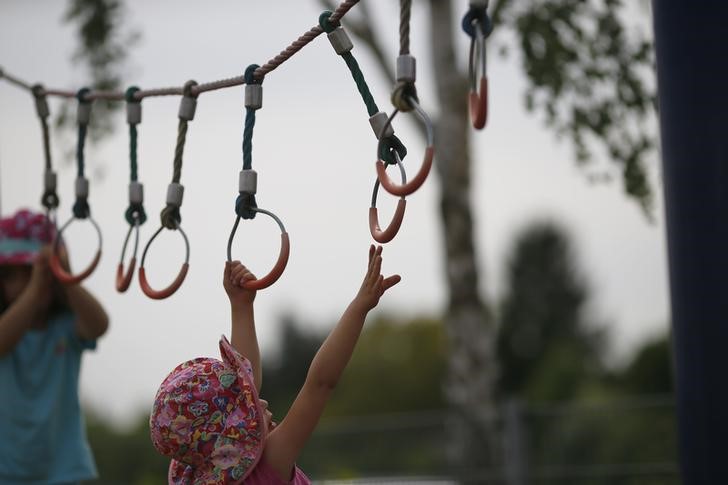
[[388, 234], [168, 291], [55, 263], [417, 181], [478, 96], [279, 267], [123, 280]]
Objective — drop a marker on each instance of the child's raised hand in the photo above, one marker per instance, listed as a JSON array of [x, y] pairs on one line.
[[235, 275], [375, 284]]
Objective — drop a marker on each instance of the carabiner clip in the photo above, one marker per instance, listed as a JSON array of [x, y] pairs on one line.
[[280, 266], [408, 187], [123, 280], [55, 262], [478, 96], [168, 291], [388, 234]]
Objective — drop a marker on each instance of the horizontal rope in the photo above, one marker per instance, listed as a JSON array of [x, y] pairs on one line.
[[259, 74]]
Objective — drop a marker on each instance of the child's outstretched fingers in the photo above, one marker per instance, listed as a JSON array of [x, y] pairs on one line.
[[390, 281]]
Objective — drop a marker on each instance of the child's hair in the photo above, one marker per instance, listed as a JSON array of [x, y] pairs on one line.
[[208, 419], [22, 236]]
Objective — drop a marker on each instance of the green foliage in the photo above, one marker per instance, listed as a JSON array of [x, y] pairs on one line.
[[546, 346], [103, 48], [125, 457], [590, 78]]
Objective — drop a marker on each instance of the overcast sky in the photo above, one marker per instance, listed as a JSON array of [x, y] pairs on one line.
[[314, 153]]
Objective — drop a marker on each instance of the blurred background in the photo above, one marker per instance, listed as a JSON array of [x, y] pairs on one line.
[[528, 341]]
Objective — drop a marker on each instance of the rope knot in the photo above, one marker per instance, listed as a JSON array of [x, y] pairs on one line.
[[81, 209], [400, 94], [49, 199], [388, 146], [135, 214], [244, 205], [477, 14], [170, 216]]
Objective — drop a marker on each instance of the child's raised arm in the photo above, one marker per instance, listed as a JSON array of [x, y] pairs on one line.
[[286, 441], [242, 335]]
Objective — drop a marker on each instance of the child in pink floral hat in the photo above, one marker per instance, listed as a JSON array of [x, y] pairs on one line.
[[207, 415], [44, 329]]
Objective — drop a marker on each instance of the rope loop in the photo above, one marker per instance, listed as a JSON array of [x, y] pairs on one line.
[[187, 89], [325, 23], [479, 14], [129, 95], [401, 95], [81, 95], [249, 75], [171, 217], [391, 145], [81, 209], [135, 214], [49, 199], [245, 205]]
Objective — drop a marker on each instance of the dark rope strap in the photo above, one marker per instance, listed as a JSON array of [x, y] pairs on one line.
[[81, 209], [135, 213], [49, 199], [245, 202], [170, 216], [389, 143]]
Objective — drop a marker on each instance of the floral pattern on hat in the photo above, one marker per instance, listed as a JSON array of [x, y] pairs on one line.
[[22, 235], [207, 418]]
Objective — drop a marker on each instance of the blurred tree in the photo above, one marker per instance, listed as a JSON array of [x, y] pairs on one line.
[[650, 371], [125, 457], [592, 81], [547, 347]]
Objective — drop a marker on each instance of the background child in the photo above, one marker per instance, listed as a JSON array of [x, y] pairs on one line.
[[44, 328], [207, 415]]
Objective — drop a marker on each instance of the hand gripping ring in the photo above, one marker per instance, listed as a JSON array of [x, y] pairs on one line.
[[478, 99], [280, 266], [414, 184], [168, 291], [124, 280], [55, 262], [391, 230]]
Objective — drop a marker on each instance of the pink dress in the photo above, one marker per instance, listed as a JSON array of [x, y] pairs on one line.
[[263, 474]]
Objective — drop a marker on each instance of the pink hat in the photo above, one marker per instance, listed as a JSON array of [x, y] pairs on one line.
[[207, 418], [23, 235]]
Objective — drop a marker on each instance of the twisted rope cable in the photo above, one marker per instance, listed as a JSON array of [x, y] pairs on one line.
[[404, 26], [260, 73]]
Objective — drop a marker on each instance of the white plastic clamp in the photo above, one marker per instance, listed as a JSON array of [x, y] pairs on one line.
[[187, 108], [81, 188], [50, 179], [253, 96], [136, 193], [133, 113], [340, 41], [174, 194], [83, 115], [406, 69], [248, 181], [378, 122]]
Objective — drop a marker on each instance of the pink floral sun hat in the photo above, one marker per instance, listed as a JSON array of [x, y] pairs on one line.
[[208, 419], [22, 235]]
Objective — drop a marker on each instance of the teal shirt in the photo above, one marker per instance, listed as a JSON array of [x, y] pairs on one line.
[[42, 434]]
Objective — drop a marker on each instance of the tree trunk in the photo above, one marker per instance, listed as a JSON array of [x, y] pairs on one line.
[[472, 361]]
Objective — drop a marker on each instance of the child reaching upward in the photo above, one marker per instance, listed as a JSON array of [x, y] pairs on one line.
[[44, 329], [207, 415]]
